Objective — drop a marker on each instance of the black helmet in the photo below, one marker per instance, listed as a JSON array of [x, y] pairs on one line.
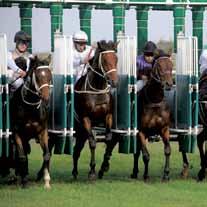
[[23, 36], [149, 47]]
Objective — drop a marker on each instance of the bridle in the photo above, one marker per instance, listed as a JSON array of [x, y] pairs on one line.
[[156, 75], [102, 74], [37, 90]]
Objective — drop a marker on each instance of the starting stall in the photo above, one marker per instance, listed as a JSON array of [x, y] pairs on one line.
[[126, 104], [184, 99], [62, 98]]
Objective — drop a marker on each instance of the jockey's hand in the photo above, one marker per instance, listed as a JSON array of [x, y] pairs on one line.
[[21, 73], [144, 78], [85, 61]]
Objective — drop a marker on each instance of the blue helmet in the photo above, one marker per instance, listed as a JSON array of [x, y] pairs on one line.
[[149, 47]]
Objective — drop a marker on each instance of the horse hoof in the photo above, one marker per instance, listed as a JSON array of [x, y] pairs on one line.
[[92, 176], [165, 178], [75, 174], [12, 180], [146, 178], [24, 184], [100, 174], [201, 176], [47, 186], [134, 175], [184, 173]]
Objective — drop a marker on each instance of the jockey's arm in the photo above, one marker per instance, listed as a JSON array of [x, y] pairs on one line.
[[11, 63]]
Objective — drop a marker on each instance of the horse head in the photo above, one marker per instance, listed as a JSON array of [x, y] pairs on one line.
[[162, 70], [41, 78], [107, 61]]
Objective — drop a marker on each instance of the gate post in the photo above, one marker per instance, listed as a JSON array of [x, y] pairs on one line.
[[85, 20], [56, 13], [118, 20], [187, 91], [142, 27], [4, 99], [26, 20], [179, 23], [197, 16]]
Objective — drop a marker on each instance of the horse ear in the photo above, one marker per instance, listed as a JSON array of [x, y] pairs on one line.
[[99, 45], [33, 61], [116, 45]]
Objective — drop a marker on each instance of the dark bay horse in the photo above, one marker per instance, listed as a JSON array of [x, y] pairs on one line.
[[29, 118], [154, 117], [201, 137], [93, 101]]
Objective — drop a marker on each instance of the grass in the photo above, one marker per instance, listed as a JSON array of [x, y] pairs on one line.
[[116, 189]]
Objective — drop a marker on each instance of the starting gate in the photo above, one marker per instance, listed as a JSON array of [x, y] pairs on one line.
[[183, 99], [62, 99]]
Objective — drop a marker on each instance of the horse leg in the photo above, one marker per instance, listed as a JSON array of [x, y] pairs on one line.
[[184, 173], [200, 144], [22, 161], [92, 172], [145, 155], [87, 126], [109, 122], [165, 133], [108, 152], [43, 138], [135, 172], [41, 171], [80, 142]]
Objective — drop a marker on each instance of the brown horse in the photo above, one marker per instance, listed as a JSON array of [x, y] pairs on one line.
[[93, 101], [29, 117], [201, 138], [154, 117]]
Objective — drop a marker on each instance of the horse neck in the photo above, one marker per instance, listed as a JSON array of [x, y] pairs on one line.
[[96, 81], [154, 91], [28, 86]]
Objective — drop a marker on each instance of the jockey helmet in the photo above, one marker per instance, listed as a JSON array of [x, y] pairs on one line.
[[80, 36], [22, 36], [149, 47]]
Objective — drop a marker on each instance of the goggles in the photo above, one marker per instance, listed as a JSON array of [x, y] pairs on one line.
[[149, 54]]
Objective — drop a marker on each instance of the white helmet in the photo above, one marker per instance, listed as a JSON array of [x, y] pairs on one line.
[[80, 36]]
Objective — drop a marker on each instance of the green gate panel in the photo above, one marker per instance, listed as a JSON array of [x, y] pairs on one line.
[[58, 103], [123, 106], [127, 144], [184, 104]]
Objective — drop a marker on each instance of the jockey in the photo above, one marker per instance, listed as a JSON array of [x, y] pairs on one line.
[[16, 74], [203, 60], [82, 53], [144, 64]]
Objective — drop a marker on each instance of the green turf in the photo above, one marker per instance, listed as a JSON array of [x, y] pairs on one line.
[[116, 189]]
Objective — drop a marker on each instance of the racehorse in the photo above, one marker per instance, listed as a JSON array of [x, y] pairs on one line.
[[154, 116], [93, 101], [201, 138], [29, 118]]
